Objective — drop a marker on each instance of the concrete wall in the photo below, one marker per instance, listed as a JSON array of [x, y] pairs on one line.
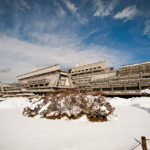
[[134, 69], [51, 79], [38, 72], [84, 68], [104, 75], [4, 86]]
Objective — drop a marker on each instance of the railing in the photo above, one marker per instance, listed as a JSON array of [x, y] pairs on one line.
[[142, 143]]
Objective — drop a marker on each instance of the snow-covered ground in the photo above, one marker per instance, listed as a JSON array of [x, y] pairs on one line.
[[13, 102], [131, 120]]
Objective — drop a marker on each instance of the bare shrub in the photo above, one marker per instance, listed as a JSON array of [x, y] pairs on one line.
[[72, 106]]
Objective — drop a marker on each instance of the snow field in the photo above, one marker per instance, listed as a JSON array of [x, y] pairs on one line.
[[14, 102], [131, 120]]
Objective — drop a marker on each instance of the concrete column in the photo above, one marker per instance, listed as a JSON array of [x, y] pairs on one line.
[[101, 89], [125, 88], [141, 75], [139, 85], [1, 87], [112, 87]]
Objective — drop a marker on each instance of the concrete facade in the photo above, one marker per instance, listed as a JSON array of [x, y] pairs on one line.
[[129, 78], [96, 76], [4, 86], [51, 76], [135, 68], [38, 73], [89, 67]]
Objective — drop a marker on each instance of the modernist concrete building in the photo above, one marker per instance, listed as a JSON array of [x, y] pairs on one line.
[[97, 76], [128, 79], [46, 78], [138, 68], [84, 75], [4, 86]]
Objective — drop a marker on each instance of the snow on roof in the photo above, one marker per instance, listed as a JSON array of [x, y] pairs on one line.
[[102, 63], [136, 64]]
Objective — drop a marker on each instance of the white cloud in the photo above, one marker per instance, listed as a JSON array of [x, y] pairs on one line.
[[104, 8], [21, 56], [128, 13], [62, 12], [73, 10], [147, 28], [21, 5], [71, 6], [49, 40]]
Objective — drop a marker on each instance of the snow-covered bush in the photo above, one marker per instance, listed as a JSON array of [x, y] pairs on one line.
[[72, 106]]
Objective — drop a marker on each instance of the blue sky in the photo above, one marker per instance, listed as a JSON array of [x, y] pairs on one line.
[[40, 33]]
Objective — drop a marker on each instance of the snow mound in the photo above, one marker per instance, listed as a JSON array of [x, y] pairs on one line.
[[146, 91], [15, 102], [143, 102], [140, 101], [117, 101]]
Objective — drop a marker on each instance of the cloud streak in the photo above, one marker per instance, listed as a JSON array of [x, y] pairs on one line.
[[74, 11], [147, 28], [58, 34], [71, 6], [103, 8], [128, 13], [22, 56]]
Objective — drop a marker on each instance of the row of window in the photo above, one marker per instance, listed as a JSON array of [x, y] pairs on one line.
[[135, 69], [88, 69]]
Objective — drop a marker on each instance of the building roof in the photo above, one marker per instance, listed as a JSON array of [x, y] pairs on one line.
[[136, 64], [40, 71], [89, 65]]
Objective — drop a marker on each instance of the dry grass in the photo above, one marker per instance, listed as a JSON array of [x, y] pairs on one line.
[[65, 115], [94, 119], [74, 91], [91, 119]]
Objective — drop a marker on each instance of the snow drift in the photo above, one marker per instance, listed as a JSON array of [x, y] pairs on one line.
[[13, 102], [146, 92]]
